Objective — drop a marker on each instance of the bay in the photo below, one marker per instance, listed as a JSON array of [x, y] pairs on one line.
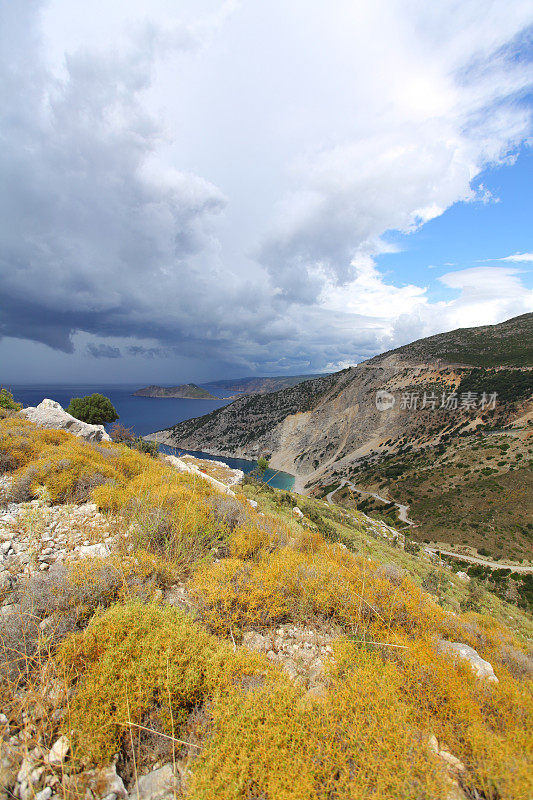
[[144, 415]]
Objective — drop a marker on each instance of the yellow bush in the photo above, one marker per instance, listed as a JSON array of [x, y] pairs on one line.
[[486, 725], [366, 735], [133, 658], [168, 509], [257, 536], [125, 574], [329, 583], [356, 742]]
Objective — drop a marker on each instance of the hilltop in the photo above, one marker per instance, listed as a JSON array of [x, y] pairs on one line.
[[186, 391], [436, 392], [509, 343], [260, 385]]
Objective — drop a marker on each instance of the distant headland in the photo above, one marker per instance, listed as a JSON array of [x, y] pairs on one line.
[[186, 391]]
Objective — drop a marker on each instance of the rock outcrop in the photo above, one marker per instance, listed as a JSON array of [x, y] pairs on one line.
[[50, 414], [483, 669], [190, 468]]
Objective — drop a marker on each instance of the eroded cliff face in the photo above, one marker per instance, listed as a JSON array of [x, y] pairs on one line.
[[402, 398], [308, 429]]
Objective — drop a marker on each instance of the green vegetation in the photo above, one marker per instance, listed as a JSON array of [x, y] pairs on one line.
[[94, 409], [7, 402], [509, 343], [474, 490], [510, 385]]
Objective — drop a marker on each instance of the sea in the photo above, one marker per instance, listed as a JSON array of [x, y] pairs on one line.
[[146, 415]]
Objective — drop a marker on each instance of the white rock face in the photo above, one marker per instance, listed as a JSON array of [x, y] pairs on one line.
[[157, 785], [181, 466], [50, 414], [59, 751], [483, 669]]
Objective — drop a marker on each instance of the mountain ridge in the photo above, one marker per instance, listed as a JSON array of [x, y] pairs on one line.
[[329, 429]]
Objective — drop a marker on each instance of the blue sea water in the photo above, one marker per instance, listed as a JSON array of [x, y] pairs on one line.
[[144, 414]]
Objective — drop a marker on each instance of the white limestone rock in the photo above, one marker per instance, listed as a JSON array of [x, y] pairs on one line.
[[159, 784], [99, 550], [50, 414], [483, 669], [59, 752]]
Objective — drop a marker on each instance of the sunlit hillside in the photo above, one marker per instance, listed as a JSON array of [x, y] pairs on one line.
[[161, 638]]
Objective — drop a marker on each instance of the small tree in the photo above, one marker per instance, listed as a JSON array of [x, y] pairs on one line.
[[94, 408], [7, 402], [122, 435], [262, 466], [257, 475]]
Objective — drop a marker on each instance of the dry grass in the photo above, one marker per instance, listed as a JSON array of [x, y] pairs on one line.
[[318, 581], [139, 678]]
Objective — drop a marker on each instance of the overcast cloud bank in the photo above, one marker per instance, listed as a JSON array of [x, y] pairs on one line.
[[243, 223]]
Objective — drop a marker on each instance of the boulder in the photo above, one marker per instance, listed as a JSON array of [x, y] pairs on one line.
[[159, 784], [108, 784], [50, 414], [99, 550], [483, 669]]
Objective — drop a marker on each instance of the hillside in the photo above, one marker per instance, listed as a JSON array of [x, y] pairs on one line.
[[208, 642], [329, 429], [186, 391], [509, 343], [239, 427], [260, 385]]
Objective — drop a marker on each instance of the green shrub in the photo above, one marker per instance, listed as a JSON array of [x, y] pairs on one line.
[[94, 409], [7, 402]]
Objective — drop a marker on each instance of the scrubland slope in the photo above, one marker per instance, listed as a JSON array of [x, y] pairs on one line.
[[237, 652]]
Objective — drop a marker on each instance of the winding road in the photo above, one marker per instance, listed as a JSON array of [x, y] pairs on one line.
[[484, 562], [402, 510]]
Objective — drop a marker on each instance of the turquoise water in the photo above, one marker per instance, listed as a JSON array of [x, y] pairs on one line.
[[279, 480], [145, 415]]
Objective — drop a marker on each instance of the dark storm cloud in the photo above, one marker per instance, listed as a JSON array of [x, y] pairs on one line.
[[93, 236], [149, 352], [98, 235], [103, 351]]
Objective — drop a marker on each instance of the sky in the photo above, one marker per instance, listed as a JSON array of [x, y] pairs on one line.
[[209, 189]]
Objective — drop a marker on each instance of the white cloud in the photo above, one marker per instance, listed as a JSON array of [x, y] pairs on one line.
[[518, 257], [221, 182]]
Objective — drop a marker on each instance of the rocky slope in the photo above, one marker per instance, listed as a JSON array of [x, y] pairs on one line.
[[164, 640], [338, 418], [260, 385], [416, 397]]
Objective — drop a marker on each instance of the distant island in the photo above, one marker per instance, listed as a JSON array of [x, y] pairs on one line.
[[186, 391]]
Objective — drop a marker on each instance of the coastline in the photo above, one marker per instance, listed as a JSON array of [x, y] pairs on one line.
[[291, 479]]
